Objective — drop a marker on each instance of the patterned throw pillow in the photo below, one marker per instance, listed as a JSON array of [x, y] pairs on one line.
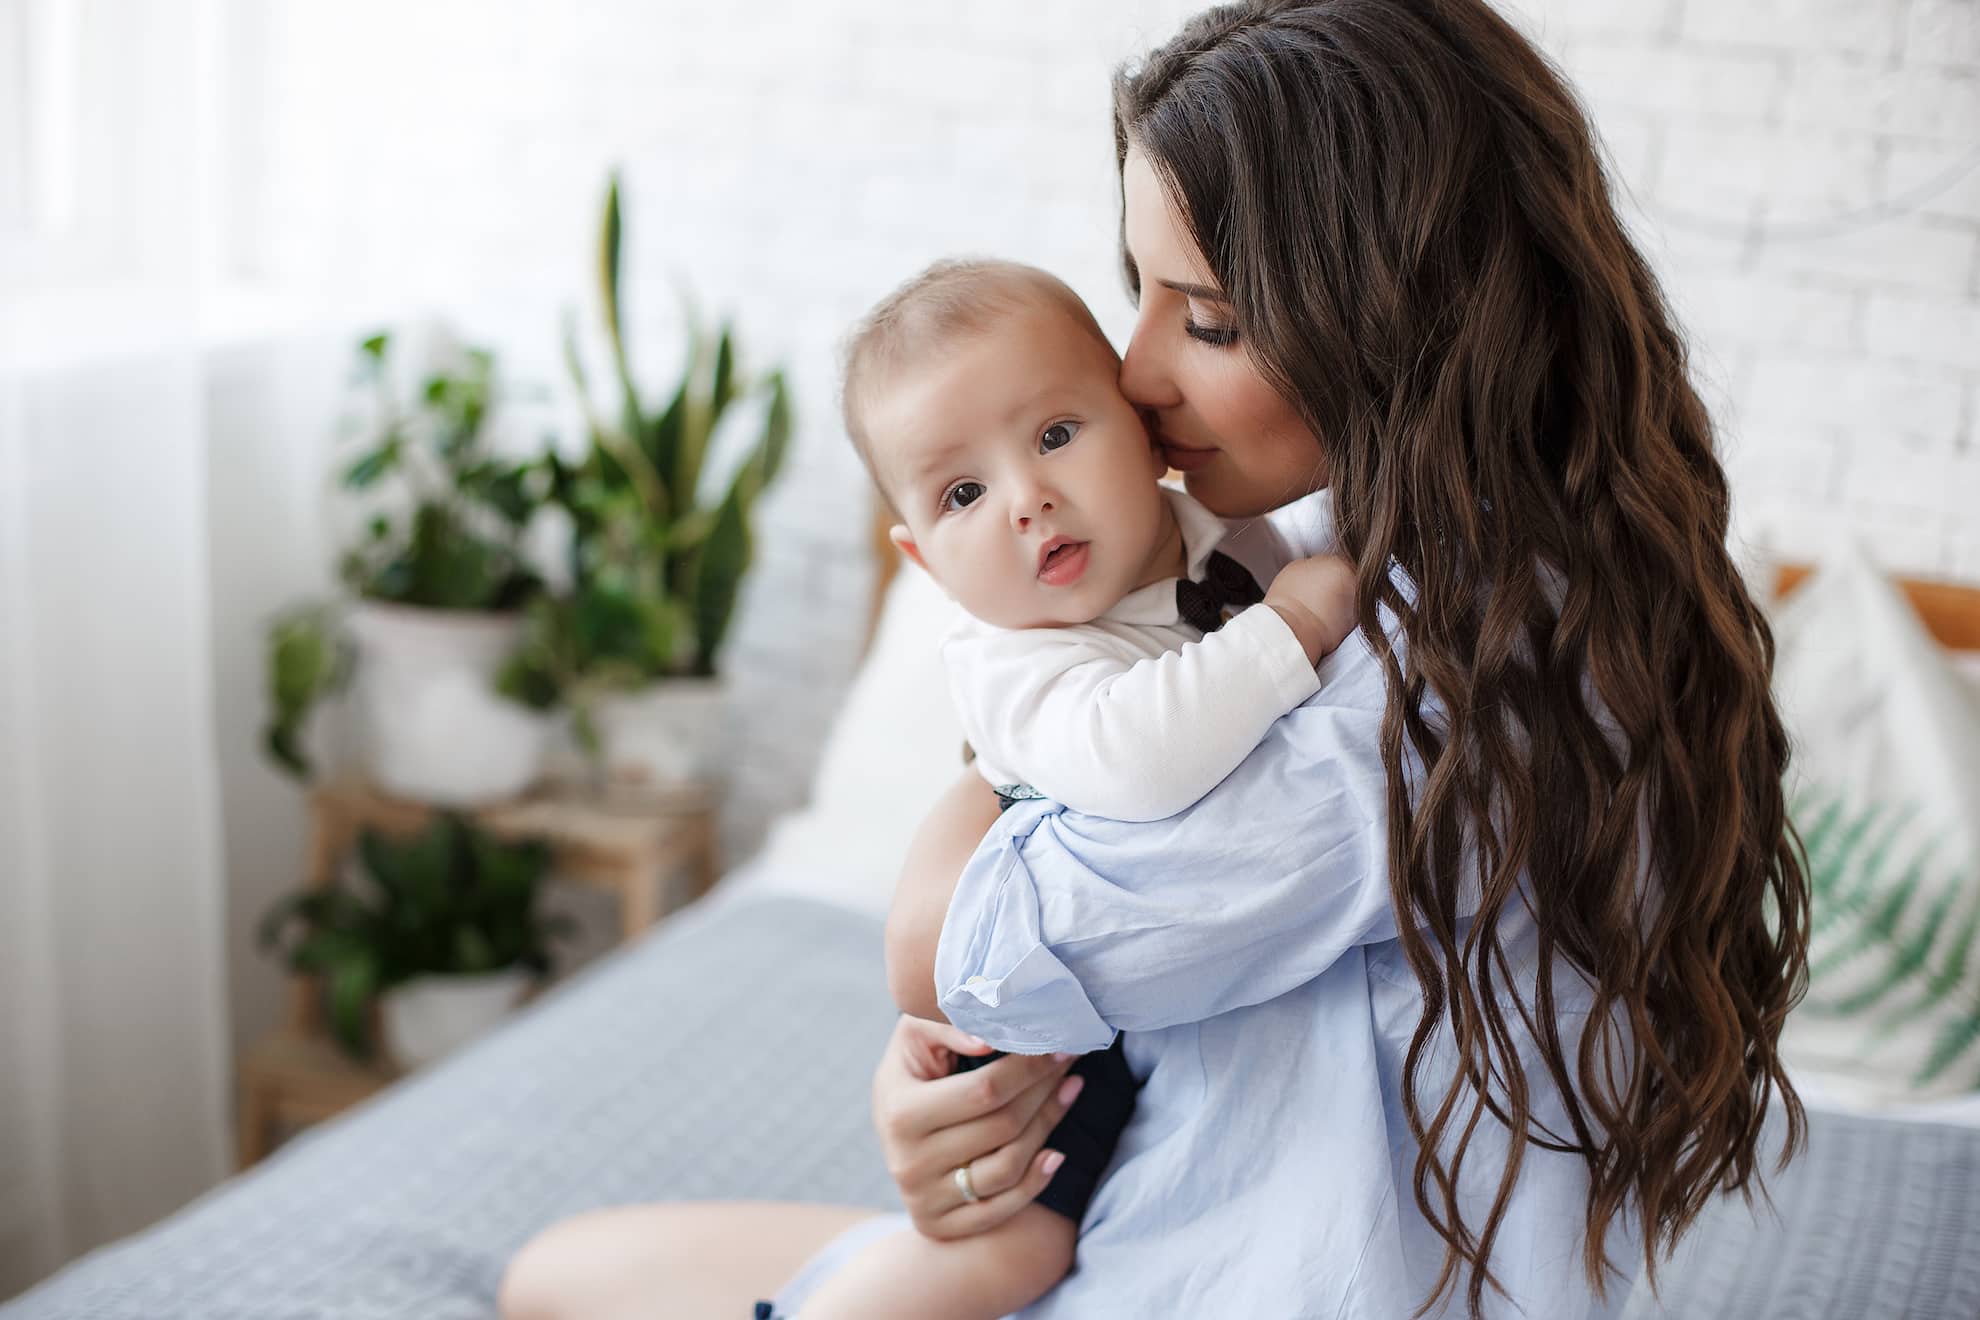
[[1885, 790]]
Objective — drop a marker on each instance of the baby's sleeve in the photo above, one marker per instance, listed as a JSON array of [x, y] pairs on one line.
[[1131, 741]]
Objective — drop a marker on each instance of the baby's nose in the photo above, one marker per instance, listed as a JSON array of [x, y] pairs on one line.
[[1038, 507]]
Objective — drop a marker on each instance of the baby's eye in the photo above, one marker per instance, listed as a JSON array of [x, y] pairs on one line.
[[962, 495], [1057, 436]]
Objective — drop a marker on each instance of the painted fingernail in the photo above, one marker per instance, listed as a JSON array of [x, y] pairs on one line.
[[1070, 1088], [1061, 1058], [1052, 1163], [979, 1042]]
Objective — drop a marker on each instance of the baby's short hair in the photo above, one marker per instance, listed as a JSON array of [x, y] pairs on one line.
[[952, 299]]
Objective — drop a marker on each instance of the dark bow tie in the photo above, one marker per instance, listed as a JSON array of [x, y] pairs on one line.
[[1225, 582]]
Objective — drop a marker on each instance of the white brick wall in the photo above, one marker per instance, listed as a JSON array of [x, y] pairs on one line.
[[791, 159]]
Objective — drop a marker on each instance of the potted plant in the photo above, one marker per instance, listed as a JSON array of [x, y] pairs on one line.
[[439, 579], [660, 542], [444, 939]]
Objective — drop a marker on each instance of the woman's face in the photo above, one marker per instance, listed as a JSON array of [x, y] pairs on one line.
[[1241, 448]]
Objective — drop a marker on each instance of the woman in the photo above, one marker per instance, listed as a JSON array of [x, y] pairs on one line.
[[1463, 992]]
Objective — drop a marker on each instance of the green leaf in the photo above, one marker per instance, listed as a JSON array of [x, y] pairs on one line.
[[776, 442], [698, 418], [609, 275], [352, 984], [1949, 1045], [722, 389], [719, 567], [662, 442], [1869, 913], [472, 951], [304, 664], [1907, 954], [387, 864], [369, 467], [507, 491]]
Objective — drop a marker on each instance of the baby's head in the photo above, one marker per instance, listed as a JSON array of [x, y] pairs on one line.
[[986, 402]]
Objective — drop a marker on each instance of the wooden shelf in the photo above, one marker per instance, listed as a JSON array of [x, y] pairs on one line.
[[291, 1079], [631, 848]]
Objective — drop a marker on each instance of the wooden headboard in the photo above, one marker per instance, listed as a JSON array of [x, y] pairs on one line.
[[1949, 611]]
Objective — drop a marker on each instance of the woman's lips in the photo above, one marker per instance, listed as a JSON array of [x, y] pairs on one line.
[[1065, 566], [1184, 459]]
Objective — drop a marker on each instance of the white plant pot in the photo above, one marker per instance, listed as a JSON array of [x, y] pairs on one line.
[[433, 727], [673, 732], [432, 1016]]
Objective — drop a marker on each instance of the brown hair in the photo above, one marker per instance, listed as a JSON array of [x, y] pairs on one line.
[[953, 299], [1405, 205]]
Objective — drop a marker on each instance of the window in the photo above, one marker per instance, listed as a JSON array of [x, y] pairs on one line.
[[110, 118]]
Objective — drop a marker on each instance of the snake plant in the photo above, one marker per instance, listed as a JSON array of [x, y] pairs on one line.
[[658, 549]]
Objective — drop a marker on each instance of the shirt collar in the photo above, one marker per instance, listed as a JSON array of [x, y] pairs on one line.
[[1202, 531]]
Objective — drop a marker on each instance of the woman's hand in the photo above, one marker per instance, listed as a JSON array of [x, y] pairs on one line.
[[994, 1119]]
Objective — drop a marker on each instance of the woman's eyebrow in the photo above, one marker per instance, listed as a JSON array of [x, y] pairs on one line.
[[1195, 290]]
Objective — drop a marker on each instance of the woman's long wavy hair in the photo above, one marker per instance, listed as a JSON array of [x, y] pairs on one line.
[[1406, 207]]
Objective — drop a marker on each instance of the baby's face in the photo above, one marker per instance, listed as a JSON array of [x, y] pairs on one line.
[[1027, 484]]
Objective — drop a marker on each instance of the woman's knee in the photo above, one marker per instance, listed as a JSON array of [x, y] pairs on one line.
[[556, 1274]]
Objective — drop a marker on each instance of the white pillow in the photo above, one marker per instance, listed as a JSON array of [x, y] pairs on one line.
[[1885, 789], [895, 746]]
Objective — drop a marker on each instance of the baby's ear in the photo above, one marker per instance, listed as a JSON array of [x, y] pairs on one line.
[[904, 541]]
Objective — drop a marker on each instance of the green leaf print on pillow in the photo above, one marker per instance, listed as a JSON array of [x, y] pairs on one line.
[[1894, 978]]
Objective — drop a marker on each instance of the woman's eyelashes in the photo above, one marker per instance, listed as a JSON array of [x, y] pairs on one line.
[[1209, 329], [1218, 336]]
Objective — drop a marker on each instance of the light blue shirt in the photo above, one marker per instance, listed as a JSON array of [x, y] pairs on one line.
[[1246, 947]]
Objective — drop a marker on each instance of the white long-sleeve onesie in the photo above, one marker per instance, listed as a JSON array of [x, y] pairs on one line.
[[1135, 715]]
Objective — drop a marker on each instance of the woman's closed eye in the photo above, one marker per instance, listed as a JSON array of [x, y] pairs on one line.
[[1057, 436], [1213, 330], [961, 495]]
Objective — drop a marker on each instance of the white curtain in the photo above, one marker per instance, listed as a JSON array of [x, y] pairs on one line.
[[114, 1094], [113, 1040]]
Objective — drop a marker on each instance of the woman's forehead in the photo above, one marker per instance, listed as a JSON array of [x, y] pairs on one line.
[[1158, 240]]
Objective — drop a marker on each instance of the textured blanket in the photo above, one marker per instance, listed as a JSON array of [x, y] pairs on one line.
[[728, 1055]]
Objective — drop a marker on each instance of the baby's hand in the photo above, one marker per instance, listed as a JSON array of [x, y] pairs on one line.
[[1316, 599]]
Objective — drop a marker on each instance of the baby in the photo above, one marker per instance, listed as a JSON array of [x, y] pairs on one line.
[[1119, 656]]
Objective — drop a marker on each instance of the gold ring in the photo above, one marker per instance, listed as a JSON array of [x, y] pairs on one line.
[[965, 1186]]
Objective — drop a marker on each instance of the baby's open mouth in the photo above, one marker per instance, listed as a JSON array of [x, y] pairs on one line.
[[1062, 562], [1059, 552]]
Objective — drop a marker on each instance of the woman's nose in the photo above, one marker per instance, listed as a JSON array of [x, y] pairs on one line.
[[1145, 378]]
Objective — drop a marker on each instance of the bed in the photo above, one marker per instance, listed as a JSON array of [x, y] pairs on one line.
[[728, 1055]]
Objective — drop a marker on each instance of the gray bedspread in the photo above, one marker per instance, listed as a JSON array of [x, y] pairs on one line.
[[728, 1055]]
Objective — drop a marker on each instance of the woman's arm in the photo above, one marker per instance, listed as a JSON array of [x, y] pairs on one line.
[[935, 859], [1066, 928]]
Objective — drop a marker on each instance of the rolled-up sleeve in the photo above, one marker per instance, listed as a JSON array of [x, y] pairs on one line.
[[1066, 928]]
